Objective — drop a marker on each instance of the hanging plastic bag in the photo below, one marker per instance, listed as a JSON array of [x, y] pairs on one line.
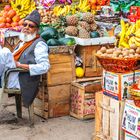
[[47, 4]]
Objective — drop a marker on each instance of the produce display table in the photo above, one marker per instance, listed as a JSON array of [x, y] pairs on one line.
[[94, 41]]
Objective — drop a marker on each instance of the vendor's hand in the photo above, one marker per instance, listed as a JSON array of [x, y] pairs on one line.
[[17, 64]]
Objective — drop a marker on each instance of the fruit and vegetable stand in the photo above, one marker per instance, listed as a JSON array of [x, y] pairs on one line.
[[85, 37]]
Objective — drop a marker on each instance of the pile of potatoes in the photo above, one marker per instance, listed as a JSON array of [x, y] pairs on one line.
[[48, 16], [133, 52]]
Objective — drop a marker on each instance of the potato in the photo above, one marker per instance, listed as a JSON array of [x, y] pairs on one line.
[[126, 56], [115, 55], [118, 52], [133, 46], [137, 55], [120, 49], [103, 49], [99, 52], [109, 51], [131, 51], [104, 55], [131, 55], [120, 56], [138, 50], [125, 53], [124, 49]]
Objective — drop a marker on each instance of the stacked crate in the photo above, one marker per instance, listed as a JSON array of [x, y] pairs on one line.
[[41, 101], [83, 89], [57, 83], [108, 118], [83, 97]]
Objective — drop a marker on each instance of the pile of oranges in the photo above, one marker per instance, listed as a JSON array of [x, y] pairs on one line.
[[9, 18]]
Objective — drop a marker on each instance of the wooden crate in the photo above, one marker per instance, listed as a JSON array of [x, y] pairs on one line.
[[41, 108], [108, 116], [62, 69], [83, 98], [90, 64], [41, 101], [59, 100]]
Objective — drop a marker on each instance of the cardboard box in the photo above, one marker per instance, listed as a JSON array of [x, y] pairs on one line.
[[130, 137], [116, 84], [134, 13], [108, 118], [131, 119], [83, 99]]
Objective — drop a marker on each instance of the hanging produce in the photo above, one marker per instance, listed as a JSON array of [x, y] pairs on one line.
[[129, 37], [23, 7]]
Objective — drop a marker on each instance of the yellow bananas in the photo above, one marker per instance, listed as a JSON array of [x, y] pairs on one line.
[[130, 34], [83, 6], [23, 7], [135, 39], [122, 34], [59, 10]]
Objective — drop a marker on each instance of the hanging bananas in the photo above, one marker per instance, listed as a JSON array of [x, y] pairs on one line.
[[23, 7], [59, 10]]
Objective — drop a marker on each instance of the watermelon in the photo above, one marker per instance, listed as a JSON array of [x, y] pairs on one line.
[[94, 34], [67, 41], [49, 33], [53, 42]]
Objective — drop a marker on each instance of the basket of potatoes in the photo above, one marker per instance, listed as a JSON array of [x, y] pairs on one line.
[[119, 60]]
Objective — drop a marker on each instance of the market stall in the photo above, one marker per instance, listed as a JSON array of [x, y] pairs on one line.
[[94, 48]]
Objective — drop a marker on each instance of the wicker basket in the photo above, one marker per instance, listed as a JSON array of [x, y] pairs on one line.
[[118, 65]]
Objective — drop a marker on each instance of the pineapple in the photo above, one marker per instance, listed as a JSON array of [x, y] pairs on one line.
[[93, 26], [71, 20], [84, 25], [71, 30], [88, 17], [83, 33]]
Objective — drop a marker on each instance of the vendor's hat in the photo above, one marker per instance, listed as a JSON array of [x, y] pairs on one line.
[[34, 17]]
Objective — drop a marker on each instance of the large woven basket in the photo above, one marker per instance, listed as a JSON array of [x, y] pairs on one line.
[[118, 65]]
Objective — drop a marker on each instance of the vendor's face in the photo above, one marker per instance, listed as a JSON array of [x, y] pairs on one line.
[[29, 27]]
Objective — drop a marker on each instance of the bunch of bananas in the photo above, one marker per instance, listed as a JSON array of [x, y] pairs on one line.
[[83, 6], [23, 7], [129, 35], [61, 10], [135, 40]]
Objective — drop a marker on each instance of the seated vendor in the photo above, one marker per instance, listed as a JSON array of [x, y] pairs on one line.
[[32, 54]]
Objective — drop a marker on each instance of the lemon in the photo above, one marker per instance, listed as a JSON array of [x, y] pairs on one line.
[[79, 72]]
